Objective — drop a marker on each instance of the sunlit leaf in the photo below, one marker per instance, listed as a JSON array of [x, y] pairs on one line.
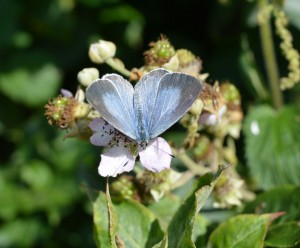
[[101, 221], [137, 226], [181, 227], [245, 231], [113, 221], [272, 146]]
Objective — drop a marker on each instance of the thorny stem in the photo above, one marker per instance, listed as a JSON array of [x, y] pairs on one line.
[[118, 67], [270, 59], [188, 162]]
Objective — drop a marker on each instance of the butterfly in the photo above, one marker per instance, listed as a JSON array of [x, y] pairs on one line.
[[158, 100]]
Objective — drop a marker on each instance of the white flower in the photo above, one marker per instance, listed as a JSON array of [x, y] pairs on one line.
[[123, 151]]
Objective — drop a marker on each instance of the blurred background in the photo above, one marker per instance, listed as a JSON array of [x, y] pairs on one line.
[[43, 45]]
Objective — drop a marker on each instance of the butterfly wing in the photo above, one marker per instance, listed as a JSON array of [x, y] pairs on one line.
[[144, 100], [168, 99], [112, 97]]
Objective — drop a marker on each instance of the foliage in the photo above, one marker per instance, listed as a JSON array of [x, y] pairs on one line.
[[246, 54]]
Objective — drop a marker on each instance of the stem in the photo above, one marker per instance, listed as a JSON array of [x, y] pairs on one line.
[[118, 67], [189, 163], [270, 59]]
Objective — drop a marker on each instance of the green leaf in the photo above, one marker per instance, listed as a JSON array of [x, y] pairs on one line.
[[37, 174], [283, 235], [162, 244], [136, 225], [113, 221], [32, 88], [245, 231], [250, 70], [282, 199], [21, 233], [101, 221], [272, 146], [199, 226], [165, 209], [180, 230], [292, 9]]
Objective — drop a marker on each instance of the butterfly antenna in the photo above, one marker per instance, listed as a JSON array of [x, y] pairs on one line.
[[119, 168], [165, 152]]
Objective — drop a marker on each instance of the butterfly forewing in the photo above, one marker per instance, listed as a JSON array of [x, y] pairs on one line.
[[112, 97], [175, 94]]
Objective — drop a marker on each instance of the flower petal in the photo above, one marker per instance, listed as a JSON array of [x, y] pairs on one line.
[[66, 93], [99, 139], [157, 155], [98, 124], [103, 132], [115, 161]]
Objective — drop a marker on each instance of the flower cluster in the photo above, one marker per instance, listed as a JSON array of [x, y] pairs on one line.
[[212, 123], [71, 113]]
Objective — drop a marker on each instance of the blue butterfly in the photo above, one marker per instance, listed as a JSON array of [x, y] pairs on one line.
[[157, 101]]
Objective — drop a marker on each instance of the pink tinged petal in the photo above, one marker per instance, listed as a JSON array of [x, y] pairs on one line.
[[99, 139], [99, 124], [157, 155], [115, 161], [66, 93], [103, 132]]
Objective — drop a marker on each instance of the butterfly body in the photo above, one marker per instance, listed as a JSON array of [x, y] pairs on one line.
[[156, 102]]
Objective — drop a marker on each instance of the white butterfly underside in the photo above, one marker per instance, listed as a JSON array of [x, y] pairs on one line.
[[156, 102]]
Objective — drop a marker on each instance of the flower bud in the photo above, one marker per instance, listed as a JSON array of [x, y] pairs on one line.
[[159, 53], [87, 76], [196, 107], [101, 51], [172, 64]]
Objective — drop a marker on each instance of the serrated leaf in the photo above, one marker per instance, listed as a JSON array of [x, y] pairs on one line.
[[32, 88], [245, 231], [180, 231], [136, 225], [272, 146], [283, 235], [282, 199]]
